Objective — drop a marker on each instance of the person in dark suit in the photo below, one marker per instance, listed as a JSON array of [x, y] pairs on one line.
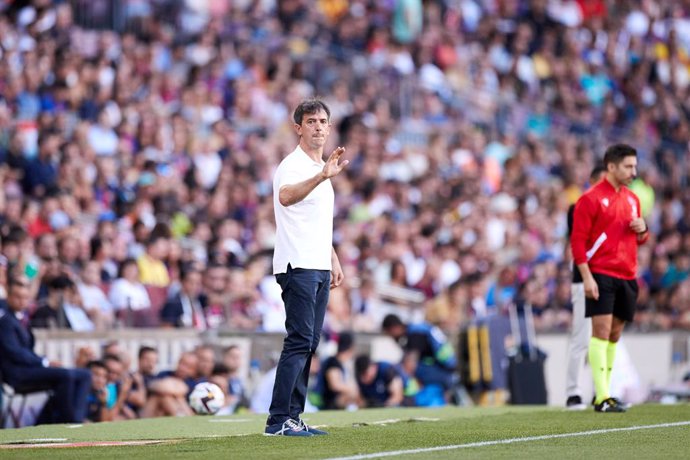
[[185, 309], [22, 368]]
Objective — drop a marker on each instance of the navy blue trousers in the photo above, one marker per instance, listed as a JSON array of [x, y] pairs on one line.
[[70, 389], [305, 294]]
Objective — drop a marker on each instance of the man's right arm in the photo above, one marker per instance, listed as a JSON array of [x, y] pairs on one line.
[[588, 282], [582, 226], [294, 193]]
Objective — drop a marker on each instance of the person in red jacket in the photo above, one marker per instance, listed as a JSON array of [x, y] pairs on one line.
[[607, 228]]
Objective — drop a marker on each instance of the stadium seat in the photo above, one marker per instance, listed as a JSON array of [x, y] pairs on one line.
[[9, 395]]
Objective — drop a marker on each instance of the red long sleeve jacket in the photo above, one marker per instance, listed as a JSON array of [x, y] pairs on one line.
[[601, 231]]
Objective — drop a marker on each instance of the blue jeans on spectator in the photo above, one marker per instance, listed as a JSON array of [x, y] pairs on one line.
[[305, 294], [432, 374]]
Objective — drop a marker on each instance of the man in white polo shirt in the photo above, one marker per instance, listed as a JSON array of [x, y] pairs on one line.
[[304, 262]]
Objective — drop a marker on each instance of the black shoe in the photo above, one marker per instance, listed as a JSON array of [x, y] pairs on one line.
[[608, 405], [575, 403], [311, 429], [288, 428], [623, 404]]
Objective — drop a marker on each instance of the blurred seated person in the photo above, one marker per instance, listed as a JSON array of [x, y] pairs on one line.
[[167, 394], [185, 309], [126, 293], [147, 359], [119, 387], [232, 360], [62, 308], [167, 398], [152, 269], [217, 298], [427, 354], [186, 370], [23, 368], [337, 386], [97, 401], [220, 376], [94, 300], [380, 383], [206, 360]]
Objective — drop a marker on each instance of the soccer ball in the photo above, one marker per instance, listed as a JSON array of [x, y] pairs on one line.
[[206, 398]]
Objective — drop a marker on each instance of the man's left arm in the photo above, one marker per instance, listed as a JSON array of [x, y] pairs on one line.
[[337, 274]]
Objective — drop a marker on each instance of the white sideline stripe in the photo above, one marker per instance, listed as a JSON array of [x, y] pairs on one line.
[[510, 441]]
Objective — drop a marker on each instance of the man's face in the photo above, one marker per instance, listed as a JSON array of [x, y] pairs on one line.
[[625, 171], [115, 369], [148, 363], [192, 284], [187, 366], [314, 129], [369, 375], [18, 296], [396, 331], [205, 362], [216, 279], [99, 378], [232, 359]]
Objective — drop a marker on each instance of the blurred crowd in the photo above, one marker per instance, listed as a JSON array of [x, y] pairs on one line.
[[138, 140], [123, 390]]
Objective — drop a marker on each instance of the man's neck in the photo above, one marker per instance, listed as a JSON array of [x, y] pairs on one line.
[[314, 154], [614, 183]]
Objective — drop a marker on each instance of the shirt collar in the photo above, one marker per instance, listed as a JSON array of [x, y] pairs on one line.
[[609, 186], [300, 150]]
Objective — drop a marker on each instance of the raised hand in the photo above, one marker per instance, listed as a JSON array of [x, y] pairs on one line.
[[333, 165]]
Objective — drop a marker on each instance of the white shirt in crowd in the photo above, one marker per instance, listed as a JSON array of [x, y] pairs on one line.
[[124, 293]]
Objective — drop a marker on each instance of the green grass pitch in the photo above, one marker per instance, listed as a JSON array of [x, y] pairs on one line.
[[644, 432]]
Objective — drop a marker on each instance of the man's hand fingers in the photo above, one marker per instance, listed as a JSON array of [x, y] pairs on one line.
[[337, 153]]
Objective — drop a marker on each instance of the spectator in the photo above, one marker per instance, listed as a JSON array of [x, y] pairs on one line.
[[63, 308], [185, 308], [338, 387], [95, 302], [236, 391], [427, 354], [119, 387], [152, 270], [127, 294], [147, 364], [186, 371], [97, 401], [206, 359], [380, 384]]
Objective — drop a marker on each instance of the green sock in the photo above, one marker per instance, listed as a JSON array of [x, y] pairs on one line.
[[610, 357], [597, 361]]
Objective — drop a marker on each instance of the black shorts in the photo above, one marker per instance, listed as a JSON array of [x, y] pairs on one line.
[[616, 296]]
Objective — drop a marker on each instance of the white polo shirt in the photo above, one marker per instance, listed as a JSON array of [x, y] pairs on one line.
[[304, 237]]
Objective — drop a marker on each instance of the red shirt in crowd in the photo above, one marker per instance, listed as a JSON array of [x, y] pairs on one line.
[[602, 236]]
